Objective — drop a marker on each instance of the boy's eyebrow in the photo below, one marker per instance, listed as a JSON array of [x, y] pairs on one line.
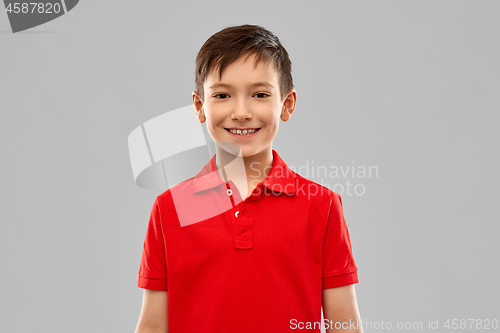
[[256, 84]]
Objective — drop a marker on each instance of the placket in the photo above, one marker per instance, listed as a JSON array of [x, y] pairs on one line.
[[243, 215]]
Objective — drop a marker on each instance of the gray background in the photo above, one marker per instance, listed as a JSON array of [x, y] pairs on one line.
[[411, 87]]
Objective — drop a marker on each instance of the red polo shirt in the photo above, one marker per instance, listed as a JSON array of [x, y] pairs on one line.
[[255, 265]]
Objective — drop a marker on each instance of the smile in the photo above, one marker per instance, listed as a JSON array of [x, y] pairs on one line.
[[242, 132]]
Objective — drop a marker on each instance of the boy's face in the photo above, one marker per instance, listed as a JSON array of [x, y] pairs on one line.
[[238, 104]]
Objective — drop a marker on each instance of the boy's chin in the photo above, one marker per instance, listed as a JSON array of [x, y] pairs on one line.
[[248, 151], [242, 149]]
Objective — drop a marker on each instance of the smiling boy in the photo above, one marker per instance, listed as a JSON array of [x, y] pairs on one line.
[[281, 249]]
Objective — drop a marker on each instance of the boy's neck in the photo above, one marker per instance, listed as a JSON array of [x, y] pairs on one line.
[[256, 167]]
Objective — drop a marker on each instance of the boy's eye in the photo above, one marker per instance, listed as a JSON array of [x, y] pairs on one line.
[[220, 95], [265, 95]]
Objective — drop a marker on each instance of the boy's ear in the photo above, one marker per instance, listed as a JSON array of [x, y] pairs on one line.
[[289, 105], [198, 107]]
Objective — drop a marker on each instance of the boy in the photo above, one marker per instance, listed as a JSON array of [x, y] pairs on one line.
[[273, 246]]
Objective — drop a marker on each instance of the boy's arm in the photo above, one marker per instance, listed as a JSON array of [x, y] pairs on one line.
[[152, 277], [340, 305], [153, 317]]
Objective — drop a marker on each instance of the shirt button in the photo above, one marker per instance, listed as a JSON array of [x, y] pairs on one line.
[[236, 214], [229, 192]]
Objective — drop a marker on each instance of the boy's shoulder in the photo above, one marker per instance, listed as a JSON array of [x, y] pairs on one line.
[[184, 187], [313, 189]]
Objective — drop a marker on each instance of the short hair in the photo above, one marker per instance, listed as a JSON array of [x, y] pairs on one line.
[[227, 45]]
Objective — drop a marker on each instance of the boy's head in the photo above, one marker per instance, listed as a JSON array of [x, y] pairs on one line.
[[227, 65]]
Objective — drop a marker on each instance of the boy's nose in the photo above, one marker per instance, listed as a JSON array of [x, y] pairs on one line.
[[241, 114]]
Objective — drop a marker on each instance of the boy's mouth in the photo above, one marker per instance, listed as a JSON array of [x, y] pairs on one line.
[[245, 131]]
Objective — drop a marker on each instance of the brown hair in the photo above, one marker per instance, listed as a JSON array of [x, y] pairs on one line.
[[227, 45]]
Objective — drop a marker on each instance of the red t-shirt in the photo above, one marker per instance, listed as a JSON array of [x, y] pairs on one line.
[[246, 266]]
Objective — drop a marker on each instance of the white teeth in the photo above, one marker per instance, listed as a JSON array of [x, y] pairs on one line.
[[242, 132]]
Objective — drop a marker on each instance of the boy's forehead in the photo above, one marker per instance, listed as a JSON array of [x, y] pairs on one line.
[[261, 70]]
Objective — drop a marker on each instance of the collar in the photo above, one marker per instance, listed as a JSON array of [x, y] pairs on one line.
[[280, 178]]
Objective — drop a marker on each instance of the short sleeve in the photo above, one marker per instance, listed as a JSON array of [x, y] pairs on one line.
[[153, 267], [339, 267]]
